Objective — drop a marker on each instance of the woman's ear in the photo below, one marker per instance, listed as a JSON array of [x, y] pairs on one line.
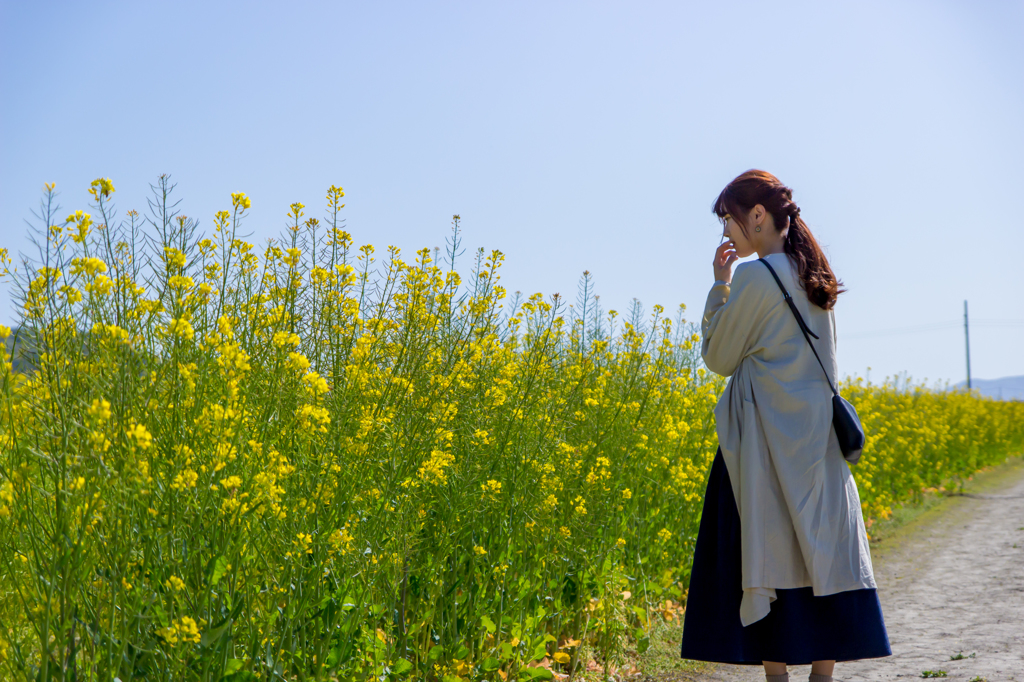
[[757, 214]]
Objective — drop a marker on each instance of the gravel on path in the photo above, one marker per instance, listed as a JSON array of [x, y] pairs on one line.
[[953, 587]]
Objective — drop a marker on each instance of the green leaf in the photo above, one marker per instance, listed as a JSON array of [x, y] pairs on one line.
[[220, 566], [643, 644], [215, 634], [536, 673], [233, 672], [488, 623], [490, 664], [401, 667], [462, 652], [161, 615], [539, 652], [435, 652]]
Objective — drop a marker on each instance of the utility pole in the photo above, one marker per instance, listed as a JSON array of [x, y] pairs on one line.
[[967, 344]]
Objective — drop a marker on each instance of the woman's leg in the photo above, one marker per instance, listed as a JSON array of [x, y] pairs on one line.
[[823, 668], [773, 668]]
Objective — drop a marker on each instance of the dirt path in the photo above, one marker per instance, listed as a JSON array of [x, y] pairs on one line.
[[951, 583]]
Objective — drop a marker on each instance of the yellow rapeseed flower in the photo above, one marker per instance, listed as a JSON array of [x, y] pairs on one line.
[[89, 267], [304, 543], [239, 201], [82, 222], [187, 629], [315, 384], [491, 487], [231, 482], [100, 409], [141, 435], [334, 195], [185, 479], [282, 339], [174, 259], [298, 361], [101, 286], [180, 283], [181, 328], [101, 187]]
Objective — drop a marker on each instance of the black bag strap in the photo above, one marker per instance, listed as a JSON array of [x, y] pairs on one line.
[[800, 321]]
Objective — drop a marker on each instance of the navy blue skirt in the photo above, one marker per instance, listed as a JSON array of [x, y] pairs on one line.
[[799, 629]]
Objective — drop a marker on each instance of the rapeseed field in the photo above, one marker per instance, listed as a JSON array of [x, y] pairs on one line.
[[305, 461]]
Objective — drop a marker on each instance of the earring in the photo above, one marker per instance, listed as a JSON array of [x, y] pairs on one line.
[[757, 229]]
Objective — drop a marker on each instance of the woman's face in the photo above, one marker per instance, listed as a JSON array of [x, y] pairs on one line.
[[732, 231]]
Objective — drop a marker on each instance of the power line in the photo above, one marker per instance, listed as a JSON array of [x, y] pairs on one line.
[[999, 323]]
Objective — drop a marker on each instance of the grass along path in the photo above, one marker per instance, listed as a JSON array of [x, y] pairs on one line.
[[951, 580]]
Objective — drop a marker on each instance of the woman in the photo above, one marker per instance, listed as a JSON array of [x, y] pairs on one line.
[[781, 570]]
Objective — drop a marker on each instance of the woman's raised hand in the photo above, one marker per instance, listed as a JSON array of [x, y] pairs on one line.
[[725, 256]]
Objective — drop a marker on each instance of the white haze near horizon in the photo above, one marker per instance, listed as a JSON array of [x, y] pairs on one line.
[[572, 136]]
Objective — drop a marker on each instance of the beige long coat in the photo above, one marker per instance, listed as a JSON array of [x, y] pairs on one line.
[[800, 514]]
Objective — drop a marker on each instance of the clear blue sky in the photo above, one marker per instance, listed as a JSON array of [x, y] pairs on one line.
[[572, 136]]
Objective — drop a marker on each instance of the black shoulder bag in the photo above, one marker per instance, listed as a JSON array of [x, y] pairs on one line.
[[844, 418]]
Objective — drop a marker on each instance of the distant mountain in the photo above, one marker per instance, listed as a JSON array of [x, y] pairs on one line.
[[24, 355], [1007, 388]]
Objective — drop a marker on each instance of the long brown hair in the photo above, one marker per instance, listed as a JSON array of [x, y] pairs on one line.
[[761, 187]]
